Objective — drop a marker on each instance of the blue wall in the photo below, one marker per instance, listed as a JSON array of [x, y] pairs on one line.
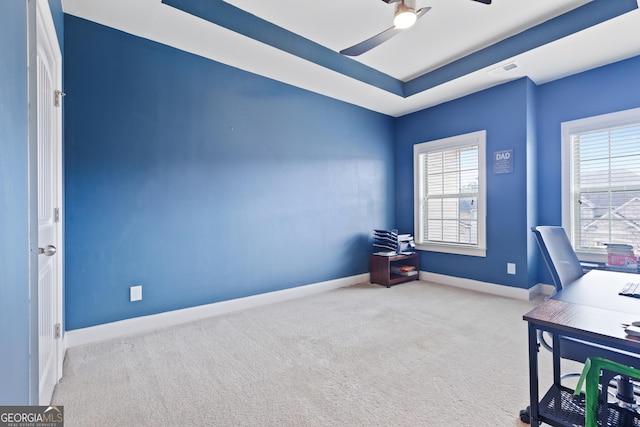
[[505, 112], [525, 117], [205, 183], [14, 209], [58, 21], [615, 87], [533, 253], [157, 137]]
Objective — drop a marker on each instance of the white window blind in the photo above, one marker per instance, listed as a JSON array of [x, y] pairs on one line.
[[604, 182], [450, 195], [607, 187]]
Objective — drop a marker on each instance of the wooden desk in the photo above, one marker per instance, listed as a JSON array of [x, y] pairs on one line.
[[599, 288], [591, 310]]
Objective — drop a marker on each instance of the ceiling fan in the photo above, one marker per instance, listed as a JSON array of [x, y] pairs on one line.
[[404, 17]]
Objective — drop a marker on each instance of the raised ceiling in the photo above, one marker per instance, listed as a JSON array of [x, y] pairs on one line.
[[456, 48]]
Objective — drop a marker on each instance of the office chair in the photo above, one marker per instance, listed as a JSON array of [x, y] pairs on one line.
[[561, 261], [564, 266], [559, 256]]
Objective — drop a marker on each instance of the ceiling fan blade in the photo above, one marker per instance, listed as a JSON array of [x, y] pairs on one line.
[[422, 11], [378, 39], [484, 1]]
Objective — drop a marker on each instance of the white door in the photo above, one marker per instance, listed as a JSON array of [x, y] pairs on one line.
[[49, 203]]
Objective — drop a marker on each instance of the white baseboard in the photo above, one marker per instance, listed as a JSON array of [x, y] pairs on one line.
[[546, 289], [489, 288], [152, 322]]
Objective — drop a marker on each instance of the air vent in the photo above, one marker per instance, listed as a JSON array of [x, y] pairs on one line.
[[503, 68]]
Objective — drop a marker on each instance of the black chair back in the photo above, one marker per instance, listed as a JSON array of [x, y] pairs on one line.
[[558, 254]]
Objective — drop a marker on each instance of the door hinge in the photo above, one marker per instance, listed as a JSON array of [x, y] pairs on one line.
[[57, 330], [58, 97], [56, 214]]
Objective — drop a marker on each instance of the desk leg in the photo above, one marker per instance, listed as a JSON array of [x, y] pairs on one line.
[[556, 359], [533, 376]]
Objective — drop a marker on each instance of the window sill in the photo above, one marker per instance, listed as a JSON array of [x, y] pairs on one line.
[[452, 249], [592, 257]]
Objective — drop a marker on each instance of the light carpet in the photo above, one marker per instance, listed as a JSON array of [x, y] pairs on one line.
[[417, 354]]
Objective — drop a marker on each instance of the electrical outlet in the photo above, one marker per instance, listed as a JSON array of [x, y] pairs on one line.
[[511, 268], [135, 293]]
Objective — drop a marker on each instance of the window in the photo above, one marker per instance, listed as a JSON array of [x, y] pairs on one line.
[[601, 182], [450, 194]]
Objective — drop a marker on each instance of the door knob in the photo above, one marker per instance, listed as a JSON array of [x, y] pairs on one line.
[[48, 251]]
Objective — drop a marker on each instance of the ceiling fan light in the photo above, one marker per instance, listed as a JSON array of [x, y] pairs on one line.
[[404, 17]]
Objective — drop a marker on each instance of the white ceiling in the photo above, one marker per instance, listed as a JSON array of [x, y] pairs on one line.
[[451, 30]]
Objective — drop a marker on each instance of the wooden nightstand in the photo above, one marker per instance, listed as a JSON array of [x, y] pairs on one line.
[[380, 268]]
